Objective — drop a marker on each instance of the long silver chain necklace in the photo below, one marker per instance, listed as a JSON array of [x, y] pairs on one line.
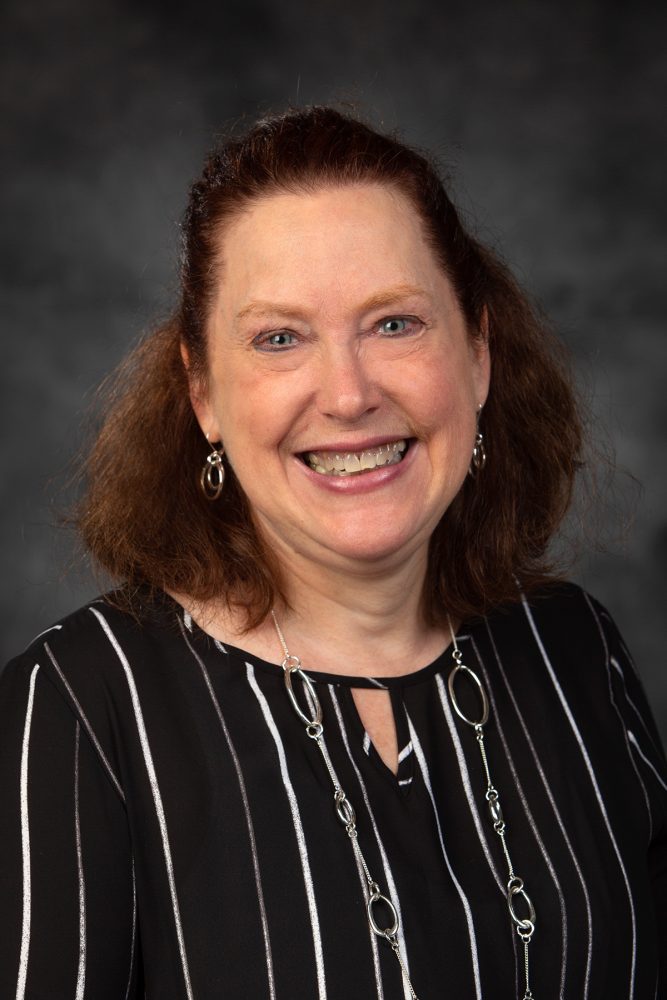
[[375, 899]]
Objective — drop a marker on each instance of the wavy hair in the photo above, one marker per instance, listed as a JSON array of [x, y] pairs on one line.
[[143, 516]]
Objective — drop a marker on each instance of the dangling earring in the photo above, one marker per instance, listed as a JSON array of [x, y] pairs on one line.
[[478, 459], [212, 477]]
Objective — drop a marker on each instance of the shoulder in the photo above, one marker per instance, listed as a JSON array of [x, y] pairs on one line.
[[560, 623], [565, 639], [564, 665], [78, 634], [577, 642], [106, 625], [92, 656], [99, 667], [562, 647]]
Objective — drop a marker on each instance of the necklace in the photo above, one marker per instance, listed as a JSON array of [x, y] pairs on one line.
[[314, 726]]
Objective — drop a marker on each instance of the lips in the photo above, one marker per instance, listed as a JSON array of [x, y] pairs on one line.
[[354, 463]]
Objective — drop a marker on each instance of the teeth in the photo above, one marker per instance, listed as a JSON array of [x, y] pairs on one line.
[[330, 463]]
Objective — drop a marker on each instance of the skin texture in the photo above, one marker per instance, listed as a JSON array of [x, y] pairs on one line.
[[336, 329], [338, 381]]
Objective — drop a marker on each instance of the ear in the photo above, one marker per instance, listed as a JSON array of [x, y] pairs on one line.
[[482, 358], [199, 399]]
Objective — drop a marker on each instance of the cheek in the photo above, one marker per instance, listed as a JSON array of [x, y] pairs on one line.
[[254, 420], [442, 402]]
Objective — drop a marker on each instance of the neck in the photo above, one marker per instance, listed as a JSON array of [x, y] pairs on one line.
[[368, 624], [361, 622]]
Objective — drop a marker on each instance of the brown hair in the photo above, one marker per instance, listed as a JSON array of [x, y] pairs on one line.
[[144, 517]]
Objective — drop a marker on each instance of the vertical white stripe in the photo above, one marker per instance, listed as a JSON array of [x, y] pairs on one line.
[[465, 781], [611, 662], [559, 819], [419, 753], [298, 830], [603, 613], [81, 972], [388, 874], [85, 721], [647, 800], [134, 931], [531, 823], [616, 665], [25, 841], [596, 788], [629, 738], [157, 797], [619, 670], [633, 740], [373, 940], [248, 818], [360, 871]]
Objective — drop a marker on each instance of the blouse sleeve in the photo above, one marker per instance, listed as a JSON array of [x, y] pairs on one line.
[[648, 760], [67, 895]]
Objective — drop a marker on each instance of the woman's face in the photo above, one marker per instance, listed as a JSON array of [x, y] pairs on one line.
[[343, 382]]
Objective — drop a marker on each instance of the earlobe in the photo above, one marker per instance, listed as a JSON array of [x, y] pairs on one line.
[[199, 399], [483, 358], [482, 338], [484, 325]]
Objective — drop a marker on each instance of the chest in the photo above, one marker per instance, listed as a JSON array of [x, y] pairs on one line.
[[263, 867], [377, 718]]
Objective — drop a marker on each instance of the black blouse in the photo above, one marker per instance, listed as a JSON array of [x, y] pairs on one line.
[[168, 828]]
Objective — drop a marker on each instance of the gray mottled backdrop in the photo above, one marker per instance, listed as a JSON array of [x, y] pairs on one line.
[[551, 116]]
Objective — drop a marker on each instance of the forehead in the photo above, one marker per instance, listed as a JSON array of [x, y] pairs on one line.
[[361, 200], [334, 241]]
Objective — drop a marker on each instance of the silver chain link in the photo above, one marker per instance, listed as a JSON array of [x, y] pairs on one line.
[[344, 810], [525, 926]]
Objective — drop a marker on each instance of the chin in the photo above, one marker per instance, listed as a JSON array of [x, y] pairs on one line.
[[368, 550]]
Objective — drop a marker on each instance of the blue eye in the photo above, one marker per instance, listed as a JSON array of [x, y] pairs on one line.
[[281, 339], [396, 326], [277, 341]]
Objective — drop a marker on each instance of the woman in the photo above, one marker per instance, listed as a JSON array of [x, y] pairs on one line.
[[463, 789]]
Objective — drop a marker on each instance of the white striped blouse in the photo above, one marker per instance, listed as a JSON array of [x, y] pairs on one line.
[[167, 828]]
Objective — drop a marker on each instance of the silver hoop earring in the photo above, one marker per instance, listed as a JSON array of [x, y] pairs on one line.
[[212, 477], [478, 458]]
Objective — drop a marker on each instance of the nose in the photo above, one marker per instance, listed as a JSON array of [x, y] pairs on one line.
[[348, 388]]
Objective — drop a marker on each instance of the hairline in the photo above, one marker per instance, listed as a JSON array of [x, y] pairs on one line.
[[309, 185]]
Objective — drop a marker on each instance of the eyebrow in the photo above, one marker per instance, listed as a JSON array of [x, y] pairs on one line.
[[386, 297]]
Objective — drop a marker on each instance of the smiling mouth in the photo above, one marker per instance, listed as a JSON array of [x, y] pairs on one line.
[[355, 463]]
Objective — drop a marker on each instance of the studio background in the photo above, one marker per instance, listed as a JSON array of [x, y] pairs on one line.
[[549, 117]]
